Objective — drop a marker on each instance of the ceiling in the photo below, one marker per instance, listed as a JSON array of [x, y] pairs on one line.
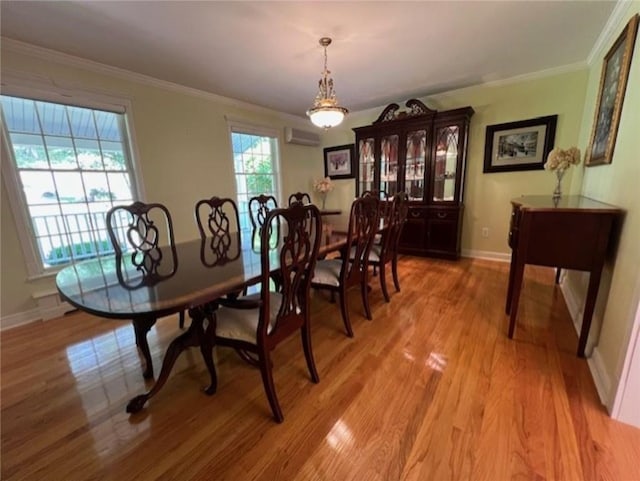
[[267, 53]]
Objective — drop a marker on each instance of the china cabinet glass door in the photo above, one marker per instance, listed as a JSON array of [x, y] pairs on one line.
[[446, 164], [415, 162], [366, 164], [389, 164]]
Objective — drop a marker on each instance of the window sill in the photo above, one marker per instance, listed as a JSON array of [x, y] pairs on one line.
[[44, 275]]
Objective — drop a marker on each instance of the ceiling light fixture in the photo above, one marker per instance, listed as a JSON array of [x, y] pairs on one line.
[[325, 111]]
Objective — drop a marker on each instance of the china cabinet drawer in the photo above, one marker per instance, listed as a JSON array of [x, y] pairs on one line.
[[417, 213], [442, 214]]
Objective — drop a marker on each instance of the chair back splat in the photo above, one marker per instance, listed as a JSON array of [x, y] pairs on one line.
[[219, 226], [302, 197], [385, 202], [259, 208], [143, 241]]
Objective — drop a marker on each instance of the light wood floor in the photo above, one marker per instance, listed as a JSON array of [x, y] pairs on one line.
[[431, 389]]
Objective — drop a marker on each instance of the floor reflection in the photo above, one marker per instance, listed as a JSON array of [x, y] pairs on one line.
[[340, 436], [102, 367], [437, 362]]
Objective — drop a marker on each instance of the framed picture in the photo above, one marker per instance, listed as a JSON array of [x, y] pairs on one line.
[[338, 162], [522, 145], [613, 83]]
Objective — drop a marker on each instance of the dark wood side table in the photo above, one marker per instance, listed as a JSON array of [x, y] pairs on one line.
[[572, 232]]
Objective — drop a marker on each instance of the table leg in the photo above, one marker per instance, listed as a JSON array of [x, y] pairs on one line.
[[514, 298], [592, 294], [195, 336], [141, 327], [512, 271], [558, 272]]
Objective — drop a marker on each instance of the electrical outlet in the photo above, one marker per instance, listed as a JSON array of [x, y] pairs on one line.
[[485, 232]]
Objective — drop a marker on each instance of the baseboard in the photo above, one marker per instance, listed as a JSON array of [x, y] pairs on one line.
[[598, 371], [489, 255], [20, 319], [573, 304], [49, 307], [600, 378]]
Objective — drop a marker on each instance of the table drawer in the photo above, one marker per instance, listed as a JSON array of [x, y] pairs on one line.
[[514, 226]]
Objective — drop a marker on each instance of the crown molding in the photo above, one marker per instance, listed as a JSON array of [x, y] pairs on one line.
[[617, 15], [12, 45], [549, 72]]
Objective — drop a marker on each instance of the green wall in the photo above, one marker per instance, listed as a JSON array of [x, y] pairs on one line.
[[616, 183]]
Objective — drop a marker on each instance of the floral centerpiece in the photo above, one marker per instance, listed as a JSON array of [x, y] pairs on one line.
[[323, 187], [560, 160]]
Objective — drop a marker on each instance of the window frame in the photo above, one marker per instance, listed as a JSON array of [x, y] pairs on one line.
[[240, 127], [11, 180]]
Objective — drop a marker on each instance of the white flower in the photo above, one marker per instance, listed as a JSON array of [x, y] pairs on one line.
[[323, 185], [560, 159]]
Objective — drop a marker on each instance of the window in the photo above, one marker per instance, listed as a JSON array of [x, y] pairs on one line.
[[255, 160], [71, 165]]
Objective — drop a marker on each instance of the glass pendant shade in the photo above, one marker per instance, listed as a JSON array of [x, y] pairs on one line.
[[326, 112], [326, 117]]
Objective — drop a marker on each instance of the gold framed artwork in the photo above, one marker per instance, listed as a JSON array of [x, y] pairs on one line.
[[613, 83]]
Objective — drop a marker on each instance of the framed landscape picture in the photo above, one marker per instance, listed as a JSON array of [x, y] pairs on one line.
[[613, 83], [338, 162], [522, 145]]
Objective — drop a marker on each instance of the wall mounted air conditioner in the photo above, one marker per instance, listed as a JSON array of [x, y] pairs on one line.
[[301, 137]]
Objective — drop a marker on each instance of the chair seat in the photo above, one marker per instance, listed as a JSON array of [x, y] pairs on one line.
[[327, 272], [242, 324], [374, 253]]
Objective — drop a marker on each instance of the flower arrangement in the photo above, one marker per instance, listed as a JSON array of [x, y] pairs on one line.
[[559, 160], [323, 187]]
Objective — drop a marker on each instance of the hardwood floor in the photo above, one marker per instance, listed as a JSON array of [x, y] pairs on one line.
[[431, 389]]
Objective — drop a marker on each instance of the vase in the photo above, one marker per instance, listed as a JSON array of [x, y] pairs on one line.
[[557, 193], [324, 199]]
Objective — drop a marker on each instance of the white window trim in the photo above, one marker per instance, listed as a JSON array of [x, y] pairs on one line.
[[40, 90], [242, 127]]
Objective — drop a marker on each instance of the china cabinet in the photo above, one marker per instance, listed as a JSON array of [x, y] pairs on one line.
[[421, 152]]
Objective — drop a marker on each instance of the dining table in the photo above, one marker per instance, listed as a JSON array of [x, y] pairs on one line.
[[191, 277]]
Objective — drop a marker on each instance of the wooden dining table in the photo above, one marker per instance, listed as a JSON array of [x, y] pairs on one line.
[[194, 277]]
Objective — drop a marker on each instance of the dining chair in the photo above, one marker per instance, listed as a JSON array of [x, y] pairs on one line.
[[384, 207], [219, 226], [143, 241], [258, 323], [400, 218], [259, 207], [300, 197], [218, 223], [387, 250], [339, 275]]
